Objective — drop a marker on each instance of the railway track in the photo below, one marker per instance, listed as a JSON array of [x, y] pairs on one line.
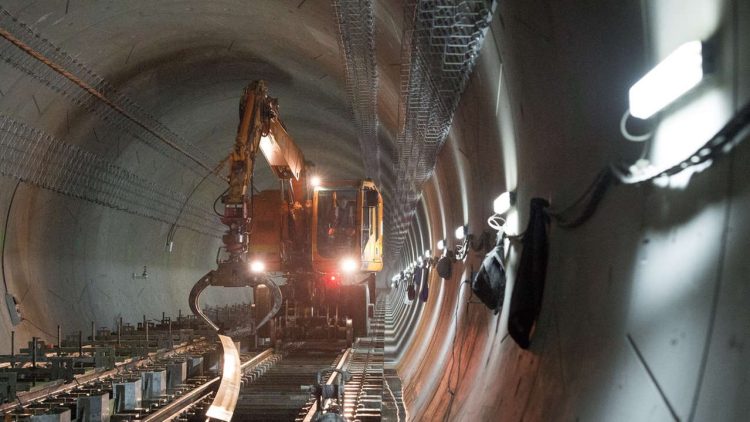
[[276, 385], [284, 389]]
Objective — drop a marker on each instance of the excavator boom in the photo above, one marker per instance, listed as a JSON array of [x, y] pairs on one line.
[[308, 240]]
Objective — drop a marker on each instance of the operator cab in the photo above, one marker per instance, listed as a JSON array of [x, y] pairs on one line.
[[347, 227]]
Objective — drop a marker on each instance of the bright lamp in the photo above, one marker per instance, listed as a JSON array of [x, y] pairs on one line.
[[257, 267], [668, 81]]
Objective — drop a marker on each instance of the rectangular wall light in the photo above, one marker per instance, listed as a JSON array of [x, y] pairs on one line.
[[502, 203], [668, 81]]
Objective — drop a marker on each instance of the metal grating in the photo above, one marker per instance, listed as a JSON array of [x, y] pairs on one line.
[[37, 158], [131, 118], [356, 30], [441, 42]]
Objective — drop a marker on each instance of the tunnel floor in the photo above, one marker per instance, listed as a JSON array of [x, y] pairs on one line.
[[170, 371]]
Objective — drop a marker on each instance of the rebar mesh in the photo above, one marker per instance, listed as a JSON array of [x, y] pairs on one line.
[[440, 45], [39, 159], [356, 31], [138, 123]]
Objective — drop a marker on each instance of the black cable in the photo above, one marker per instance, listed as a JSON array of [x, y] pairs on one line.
[[5, 234], [173, 228], [722, 143], [583, 195], [733, 132], [595, 197], [217, 200], [39, 328]]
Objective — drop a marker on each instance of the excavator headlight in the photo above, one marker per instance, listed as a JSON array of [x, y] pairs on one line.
[[257, 267], [349, 265]]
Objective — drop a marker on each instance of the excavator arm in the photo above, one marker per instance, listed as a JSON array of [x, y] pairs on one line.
[[260, 129], [290, 235]]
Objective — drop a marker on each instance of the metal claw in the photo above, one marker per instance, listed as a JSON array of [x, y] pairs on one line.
[[210, 280], [194, 299]]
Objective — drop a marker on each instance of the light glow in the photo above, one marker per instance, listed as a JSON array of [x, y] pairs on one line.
[[669, 80], [267, 146], [441, 244], [427, 253], [502, 204], [460, 232], [257, 267], [315, 181], [348, 265]]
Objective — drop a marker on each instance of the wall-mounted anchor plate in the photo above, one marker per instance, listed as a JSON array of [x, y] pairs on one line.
[[13, 309]]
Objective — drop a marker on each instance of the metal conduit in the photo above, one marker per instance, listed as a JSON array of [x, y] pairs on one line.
[[440, 46], [356, 36]]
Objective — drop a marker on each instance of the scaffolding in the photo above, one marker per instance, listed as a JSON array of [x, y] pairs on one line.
[[356, 31], [441, 43]]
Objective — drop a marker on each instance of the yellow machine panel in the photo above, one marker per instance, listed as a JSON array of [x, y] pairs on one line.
[[347, 227]]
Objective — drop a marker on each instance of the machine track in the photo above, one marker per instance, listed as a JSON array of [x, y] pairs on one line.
[[282, 392]]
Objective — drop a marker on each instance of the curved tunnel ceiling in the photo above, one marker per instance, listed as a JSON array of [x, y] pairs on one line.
[[184, 66], [189, 72]]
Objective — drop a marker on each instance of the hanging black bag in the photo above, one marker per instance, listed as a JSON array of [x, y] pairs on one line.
[[411, 292], [445, 267], [417, 280], [526, 300], [489, 282], [425, 290]]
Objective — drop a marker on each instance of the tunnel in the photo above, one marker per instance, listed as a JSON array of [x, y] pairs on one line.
[[513, 143]]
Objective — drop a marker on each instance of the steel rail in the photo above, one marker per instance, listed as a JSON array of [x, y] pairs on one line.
[[31, 396], [339, 365], [185, 401]]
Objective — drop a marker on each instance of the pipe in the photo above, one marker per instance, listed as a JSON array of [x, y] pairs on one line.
[[33, 352]]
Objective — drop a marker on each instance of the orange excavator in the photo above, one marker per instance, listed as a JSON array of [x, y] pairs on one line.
[[312, 246]]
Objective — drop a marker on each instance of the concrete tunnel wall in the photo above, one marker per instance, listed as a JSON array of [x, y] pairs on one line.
[[645, 313], [645, 306], [70, 261]]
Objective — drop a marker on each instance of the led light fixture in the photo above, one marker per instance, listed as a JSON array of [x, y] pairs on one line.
[[502, 203], [668, 81], [461, 232], [441, 244], [427, 253], [315, 181], [257, 267], [348, 265]]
